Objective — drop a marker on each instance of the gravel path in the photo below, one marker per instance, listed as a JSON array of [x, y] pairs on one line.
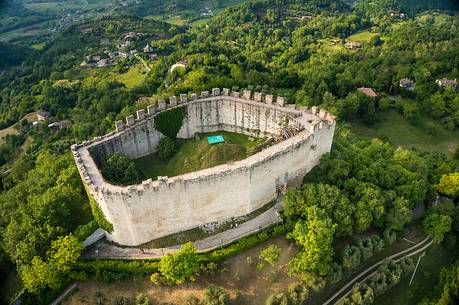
[[103, 249]]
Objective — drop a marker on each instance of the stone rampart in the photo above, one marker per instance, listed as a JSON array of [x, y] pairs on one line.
[[152, 209]]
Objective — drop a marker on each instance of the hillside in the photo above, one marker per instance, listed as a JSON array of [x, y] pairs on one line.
[[386, 69]]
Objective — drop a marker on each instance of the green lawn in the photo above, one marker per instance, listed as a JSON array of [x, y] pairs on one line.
[[39, 46], [133, 77], [400, 132], [424, 280], [196, 154], [364, 36]]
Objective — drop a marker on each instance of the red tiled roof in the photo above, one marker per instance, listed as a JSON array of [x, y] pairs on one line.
[[368, 91]]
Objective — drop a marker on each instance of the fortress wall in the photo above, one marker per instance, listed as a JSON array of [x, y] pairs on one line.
[[153, 209], [187, 201], [138, 141], [224, 114]]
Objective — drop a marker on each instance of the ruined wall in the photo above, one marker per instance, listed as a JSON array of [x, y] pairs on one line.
[[153, 209]]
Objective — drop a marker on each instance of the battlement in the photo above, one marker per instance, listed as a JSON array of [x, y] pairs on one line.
[[141, 212]]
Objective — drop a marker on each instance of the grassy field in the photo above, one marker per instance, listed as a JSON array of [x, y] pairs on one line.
[[400, 132], [133, 77], [39, 46], [175, 20], [13, 129], [237, 275], [364, 36], [424, 280], [196, 154], [7, 131]]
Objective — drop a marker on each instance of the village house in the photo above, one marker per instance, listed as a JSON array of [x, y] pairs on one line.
[[368, 92], [60, 125], [407, 84], [442, 83], [42, 115], [105, 62], [124, 54], [148, 49], [153, 56], [352, 45], [104, 42]]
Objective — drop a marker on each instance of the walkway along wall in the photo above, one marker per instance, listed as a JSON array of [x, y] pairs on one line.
[[153, 209]]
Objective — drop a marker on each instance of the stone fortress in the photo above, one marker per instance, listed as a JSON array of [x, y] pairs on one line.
[[153, 209]]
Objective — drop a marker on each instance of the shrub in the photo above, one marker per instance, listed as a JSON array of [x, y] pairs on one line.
[[155, 278], [336, 274], [270, 255], [176, 267], [84, 231], [390, 236], [98, 298], [277, 299], [120, 300], [351, 257], [141, 299], [215, 295], [120, 169], [208, 268], [260, 266], [166, 148], [297, 293], [192, 300]]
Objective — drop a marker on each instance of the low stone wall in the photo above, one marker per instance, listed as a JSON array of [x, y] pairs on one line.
[[153, 209]]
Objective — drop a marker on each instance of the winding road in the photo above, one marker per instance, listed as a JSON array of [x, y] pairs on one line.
[[369, 272]]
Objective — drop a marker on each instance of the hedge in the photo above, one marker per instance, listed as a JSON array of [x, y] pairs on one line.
[[118, 269]]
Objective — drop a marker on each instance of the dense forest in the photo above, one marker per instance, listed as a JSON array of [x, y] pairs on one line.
[[295, 48]]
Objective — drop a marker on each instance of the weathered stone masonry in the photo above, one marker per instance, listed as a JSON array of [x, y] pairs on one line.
[[152, 209]]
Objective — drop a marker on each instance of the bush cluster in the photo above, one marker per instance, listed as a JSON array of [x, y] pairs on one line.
[[297, 294], [387, 276]]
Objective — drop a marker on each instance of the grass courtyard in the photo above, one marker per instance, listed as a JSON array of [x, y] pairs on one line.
[[197, 154]]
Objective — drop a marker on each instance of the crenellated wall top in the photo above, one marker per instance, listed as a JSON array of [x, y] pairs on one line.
[[309, 120]]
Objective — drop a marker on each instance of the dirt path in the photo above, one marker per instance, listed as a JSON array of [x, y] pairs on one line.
[[369, 272]]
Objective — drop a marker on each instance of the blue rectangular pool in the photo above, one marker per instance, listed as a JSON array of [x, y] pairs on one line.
[[215, 139]]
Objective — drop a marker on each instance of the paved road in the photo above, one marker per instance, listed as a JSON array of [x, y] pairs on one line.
[[369, 272], [103, 249]]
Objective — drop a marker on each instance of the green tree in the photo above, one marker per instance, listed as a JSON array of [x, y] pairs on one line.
[[271, 254], [177, 267], [277, 299], [120, 169], [166, 148], [60, 259], [215, 295], [315, 236], [436, 226], [449, 185], [398, 214], [297, 293]]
